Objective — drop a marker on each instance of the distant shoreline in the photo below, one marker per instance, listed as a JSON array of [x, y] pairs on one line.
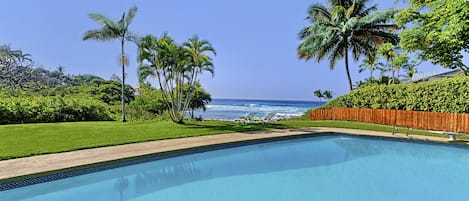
[[261, 99]]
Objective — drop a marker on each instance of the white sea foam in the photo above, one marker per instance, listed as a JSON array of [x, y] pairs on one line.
[[233, 109]]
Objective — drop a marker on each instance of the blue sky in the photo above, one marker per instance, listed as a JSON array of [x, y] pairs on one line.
[[255, 40]]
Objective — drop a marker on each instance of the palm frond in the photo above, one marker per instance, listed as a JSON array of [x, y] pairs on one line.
[[337, 54], [101, 19], [103, 34], [144, 71], [317, 10], [136, 39], [343, 3], [130, 15], [379, 17], [361, 8]]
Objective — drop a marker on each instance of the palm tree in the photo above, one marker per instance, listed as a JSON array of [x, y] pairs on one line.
[[388, 51], [199, 59], [111, 30], [410, 71], [15, 67], [175, 66], [16, 56], [200, 98], [328, 94], [346, 25], [318, 93], [399, 62], [369, 64]]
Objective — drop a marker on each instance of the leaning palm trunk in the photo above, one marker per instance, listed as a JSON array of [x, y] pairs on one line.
[[171, 82], [189, 94]]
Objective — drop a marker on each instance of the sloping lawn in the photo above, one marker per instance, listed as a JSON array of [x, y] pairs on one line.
[[23, 140]]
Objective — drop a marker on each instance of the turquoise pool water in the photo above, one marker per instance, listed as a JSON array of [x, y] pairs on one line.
[[326, 168]]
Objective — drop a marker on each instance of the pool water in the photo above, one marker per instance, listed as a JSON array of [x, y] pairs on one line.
[[326, 168]]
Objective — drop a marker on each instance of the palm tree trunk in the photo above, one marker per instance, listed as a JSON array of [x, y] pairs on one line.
[[393, 75], [348, 70], [123, 81]]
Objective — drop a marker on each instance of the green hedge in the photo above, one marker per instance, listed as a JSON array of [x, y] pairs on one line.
[[51, 109], [445, 95]]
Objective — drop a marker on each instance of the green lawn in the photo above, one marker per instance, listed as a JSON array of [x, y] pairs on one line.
[[23, 140]]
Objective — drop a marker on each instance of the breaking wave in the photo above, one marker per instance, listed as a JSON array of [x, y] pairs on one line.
[[231, 109]]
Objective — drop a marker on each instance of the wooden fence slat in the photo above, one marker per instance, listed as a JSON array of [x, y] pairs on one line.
[[412, 119]]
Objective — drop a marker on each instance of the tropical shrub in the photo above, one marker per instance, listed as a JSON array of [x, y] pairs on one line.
[[52, 109], [108, 92], [147, 105], [446, 95]]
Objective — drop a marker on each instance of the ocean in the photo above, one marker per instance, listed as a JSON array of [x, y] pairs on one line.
[[231, 109]]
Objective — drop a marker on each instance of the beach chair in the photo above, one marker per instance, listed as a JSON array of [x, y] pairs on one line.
[[269, 118], [247, 119]]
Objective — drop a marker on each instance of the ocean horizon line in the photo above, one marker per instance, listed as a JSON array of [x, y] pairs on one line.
[[264, 99]]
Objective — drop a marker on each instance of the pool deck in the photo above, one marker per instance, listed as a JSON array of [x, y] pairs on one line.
[[20, 167]]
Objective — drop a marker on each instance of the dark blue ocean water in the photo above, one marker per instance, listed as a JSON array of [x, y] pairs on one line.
[[230, 109]]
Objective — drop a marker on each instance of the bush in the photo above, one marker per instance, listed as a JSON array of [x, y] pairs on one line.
[[148, 105], [445, 95], [52, 109], [108, 92]]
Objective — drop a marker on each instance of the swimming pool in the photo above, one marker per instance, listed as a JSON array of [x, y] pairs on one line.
[[333, 167]]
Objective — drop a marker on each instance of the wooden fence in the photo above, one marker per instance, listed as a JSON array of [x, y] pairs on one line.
[[411, 119]]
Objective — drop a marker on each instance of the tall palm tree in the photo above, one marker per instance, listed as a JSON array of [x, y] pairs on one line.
[[111, 30], [346, 25]]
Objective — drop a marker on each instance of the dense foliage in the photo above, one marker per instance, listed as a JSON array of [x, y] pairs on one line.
[[34, 94], [381, 80], [437, 28], [446, 95], [147, 105], [56, 97], [52, 109]]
